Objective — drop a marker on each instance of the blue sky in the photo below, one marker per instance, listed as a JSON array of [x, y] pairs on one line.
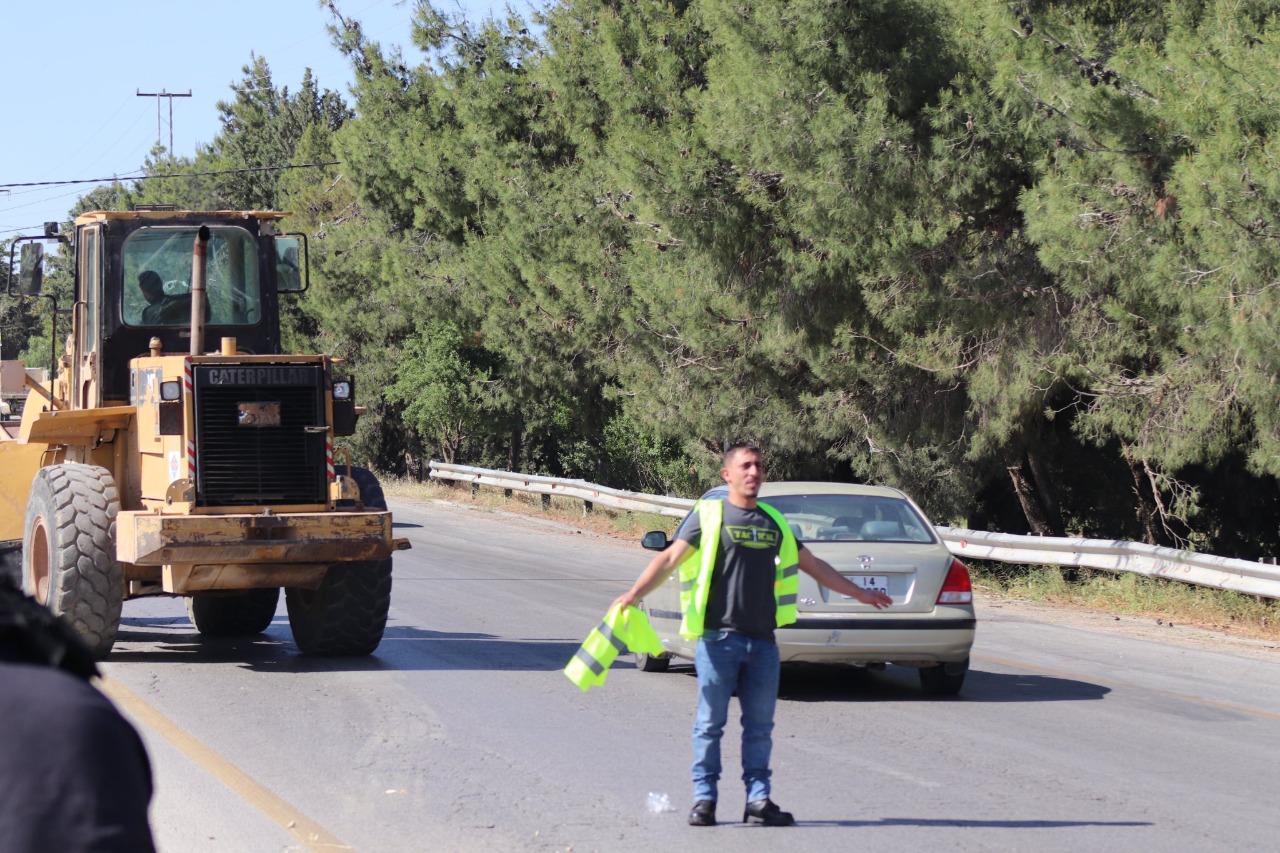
[[73, 71]]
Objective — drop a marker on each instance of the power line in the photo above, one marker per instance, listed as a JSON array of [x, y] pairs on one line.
[[91, 138], [176, 175]]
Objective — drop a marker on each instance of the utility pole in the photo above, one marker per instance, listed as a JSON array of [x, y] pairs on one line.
[[164, 94]]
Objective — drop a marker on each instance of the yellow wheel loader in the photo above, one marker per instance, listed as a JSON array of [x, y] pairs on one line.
[[177, 451]]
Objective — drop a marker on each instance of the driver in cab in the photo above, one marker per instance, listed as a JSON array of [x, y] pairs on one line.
[[162, 309]]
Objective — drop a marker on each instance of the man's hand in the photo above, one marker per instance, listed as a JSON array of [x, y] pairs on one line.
[[874, 597]]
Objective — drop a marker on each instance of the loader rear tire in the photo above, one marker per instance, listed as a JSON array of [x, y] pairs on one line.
[[68, 550], [347, 614], [370, 490], [237, 614]]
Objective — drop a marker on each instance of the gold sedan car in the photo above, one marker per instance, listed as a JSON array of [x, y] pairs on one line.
[[879, 539]]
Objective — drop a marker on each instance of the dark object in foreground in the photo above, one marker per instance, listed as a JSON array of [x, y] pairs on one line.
[[74, 775], [30, 633]]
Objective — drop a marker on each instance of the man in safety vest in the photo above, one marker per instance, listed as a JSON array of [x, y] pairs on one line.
[[741, 587]]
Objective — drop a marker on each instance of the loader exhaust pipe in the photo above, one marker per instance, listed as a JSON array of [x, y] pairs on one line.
[[199, 261]]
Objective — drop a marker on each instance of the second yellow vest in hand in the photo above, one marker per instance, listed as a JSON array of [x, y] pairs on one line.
[[621, 630]]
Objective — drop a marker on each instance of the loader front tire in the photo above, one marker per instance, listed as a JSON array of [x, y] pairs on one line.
[[238, 614], [68, 550], [347, 614]]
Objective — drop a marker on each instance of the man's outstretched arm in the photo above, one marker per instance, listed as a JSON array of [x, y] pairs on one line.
[[823, 572], [662, 565]]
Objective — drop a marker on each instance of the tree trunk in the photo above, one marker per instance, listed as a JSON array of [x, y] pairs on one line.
[[1036, 505], [515, 448], [1046, 492], [1034, 488], [1024, 487], [1145, 509], [413, 465]]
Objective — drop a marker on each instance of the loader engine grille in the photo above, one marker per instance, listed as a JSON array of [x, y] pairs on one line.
[[257, 441]]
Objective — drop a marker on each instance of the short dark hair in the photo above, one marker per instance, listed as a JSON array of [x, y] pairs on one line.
[[150, 283], [733, 449]]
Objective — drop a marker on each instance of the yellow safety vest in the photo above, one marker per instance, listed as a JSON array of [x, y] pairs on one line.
[[621, 629], [695, 575]]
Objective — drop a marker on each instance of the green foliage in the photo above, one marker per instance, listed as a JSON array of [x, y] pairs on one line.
[[654, 464], [921, 243], [1018, 260], [1154, 211], [261, 129], [447, 386]]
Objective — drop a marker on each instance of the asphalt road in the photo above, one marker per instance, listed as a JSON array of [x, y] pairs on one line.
[[461, 734]]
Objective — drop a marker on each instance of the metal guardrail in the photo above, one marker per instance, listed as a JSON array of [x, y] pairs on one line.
[[1244, 576], [581, 489]]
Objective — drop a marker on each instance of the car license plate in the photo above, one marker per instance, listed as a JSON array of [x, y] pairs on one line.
[[879, 583]]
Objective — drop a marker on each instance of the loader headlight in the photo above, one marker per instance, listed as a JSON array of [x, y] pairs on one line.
[[170, 390], [342, 390]]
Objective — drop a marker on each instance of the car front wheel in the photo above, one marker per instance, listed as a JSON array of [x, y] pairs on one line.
[[651, 663]]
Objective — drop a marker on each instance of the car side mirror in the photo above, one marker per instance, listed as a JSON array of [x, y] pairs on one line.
[[655, 540]]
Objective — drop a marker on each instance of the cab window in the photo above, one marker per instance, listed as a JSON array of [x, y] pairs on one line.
[[90, 287], [157, 277]]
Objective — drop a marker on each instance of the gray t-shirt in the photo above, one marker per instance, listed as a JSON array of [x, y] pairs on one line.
[[741, 595]]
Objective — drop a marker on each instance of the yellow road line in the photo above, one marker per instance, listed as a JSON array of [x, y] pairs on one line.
[[312, 835], [1116, 685]]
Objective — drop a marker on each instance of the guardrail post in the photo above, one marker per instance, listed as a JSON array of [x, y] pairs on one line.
[[475, 489], [546, 502]]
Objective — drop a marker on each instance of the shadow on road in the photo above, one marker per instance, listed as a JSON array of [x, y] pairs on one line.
[[896, 684], [171, 639], [974, 824], [407, 648], [831, 683]]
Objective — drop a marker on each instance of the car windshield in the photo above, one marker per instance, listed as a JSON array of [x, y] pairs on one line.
[[157, 275]]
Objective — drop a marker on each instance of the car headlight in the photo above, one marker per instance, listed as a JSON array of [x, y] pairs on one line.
[[342, 390]]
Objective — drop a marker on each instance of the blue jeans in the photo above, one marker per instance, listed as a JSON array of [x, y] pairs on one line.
[[729, 662]]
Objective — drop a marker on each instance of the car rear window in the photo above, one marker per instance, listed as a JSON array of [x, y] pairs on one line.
[[852, 518]]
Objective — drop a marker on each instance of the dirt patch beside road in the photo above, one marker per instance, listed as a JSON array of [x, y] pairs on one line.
[[1148, 627]]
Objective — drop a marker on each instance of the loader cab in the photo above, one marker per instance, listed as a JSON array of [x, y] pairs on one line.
[[133, 285]]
